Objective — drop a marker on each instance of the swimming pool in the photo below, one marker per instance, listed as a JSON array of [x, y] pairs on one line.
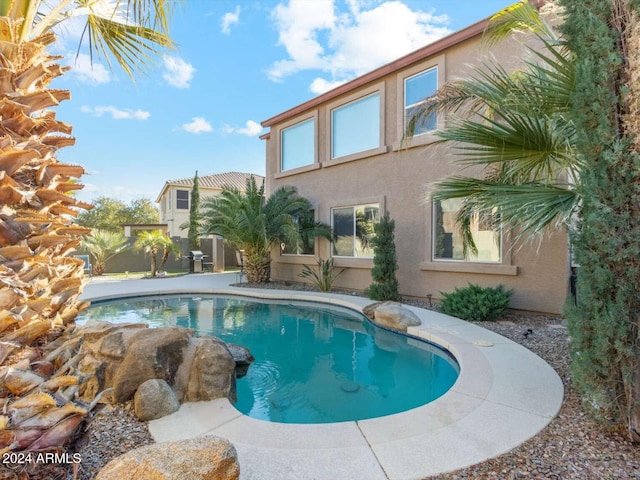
[[315, 363]]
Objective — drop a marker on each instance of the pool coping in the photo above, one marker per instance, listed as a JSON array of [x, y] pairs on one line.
[[504, 395]]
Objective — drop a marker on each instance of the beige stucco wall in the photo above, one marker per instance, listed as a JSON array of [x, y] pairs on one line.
[[398, 178], [175, 217]]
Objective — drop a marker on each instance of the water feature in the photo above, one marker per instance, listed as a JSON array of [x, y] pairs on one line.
[[315, 363]]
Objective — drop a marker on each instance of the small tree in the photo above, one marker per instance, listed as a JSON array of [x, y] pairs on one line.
[[194, 215], [385, 262], [154, 243], [103, 245]]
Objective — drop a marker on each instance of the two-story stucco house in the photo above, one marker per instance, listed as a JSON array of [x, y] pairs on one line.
[[175, 196], [344, 151]]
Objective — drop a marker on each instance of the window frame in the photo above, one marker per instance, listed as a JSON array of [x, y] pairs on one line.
[[416, 104], [279, 173], [353, 206], [425, 138], [281, 139], [504, 267], [378, 88], [179, 200], [460, 260]]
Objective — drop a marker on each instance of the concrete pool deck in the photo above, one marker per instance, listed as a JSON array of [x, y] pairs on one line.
[[504, 395]]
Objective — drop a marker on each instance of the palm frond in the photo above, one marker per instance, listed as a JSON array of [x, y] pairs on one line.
[[525, 146], [527, 208], [519, 17], [254, 223], [132, 46]]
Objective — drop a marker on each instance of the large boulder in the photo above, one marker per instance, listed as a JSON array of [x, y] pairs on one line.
[[154, 399], [391, 315], [151, 353], [206, 458], [120, 358], [212, 372]]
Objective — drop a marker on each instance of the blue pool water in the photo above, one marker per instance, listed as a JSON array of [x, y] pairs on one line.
[[314, 363]]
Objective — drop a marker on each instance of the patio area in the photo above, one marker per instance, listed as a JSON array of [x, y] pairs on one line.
[[505, 394]]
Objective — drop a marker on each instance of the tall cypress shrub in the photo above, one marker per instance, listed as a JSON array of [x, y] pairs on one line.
[[385, 262], [605, 324], [194, 215]]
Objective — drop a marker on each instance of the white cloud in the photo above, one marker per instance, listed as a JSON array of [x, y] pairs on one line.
[[298, 25], [87, 72], [350, 42], [197, 125], [321, 85], [178, 73], [116, 113], [251, 129], [230, 18]]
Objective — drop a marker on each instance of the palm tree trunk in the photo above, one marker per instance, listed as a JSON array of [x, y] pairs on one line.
[[165, 256], [39, 278], [36, 236], [154, 262], [258, 267]]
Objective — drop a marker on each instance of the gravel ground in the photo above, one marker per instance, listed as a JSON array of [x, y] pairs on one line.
[[572, 446]]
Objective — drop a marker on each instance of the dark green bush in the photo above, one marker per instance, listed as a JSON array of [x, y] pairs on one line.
[[385, 262], [476, 303]]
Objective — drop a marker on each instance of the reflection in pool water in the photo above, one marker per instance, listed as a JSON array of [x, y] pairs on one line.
[[315, 363]]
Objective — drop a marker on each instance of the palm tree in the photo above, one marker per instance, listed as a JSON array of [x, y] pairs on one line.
[[558, 145], [103, 245], [257, 225], [155, 243], [40, 280], [513, 126]]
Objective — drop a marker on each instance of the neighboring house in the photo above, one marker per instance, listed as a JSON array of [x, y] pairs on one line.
[[175, 196], [344, 151]]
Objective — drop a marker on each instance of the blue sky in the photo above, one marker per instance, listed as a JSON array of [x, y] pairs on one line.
[[237, 63]]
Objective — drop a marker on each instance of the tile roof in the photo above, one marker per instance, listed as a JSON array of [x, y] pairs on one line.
[[219, 180]]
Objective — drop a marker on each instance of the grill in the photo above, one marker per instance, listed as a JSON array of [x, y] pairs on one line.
[[196, 259]]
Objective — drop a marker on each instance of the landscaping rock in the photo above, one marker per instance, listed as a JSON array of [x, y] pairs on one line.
[[206, 458], [154, 399], [151, 353], [212, 372], [391, 315], [243, 358], [124, 357]]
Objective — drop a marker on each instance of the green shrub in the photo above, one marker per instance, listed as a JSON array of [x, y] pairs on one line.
[[476, 303], [385, 262], [325, 275]]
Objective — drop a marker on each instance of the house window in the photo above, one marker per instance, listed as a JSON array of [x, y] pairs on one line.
[[417, 89], [447, 237], [182, 199], [298, 145], [353, 230], [355, 127], [307, 242]]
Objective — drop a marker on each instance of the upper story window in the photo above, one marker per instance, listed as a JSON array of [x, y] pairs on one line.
[[355, 127], [298, 145], [447, 237], [353, 229], [182, 199], [417, 89]]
